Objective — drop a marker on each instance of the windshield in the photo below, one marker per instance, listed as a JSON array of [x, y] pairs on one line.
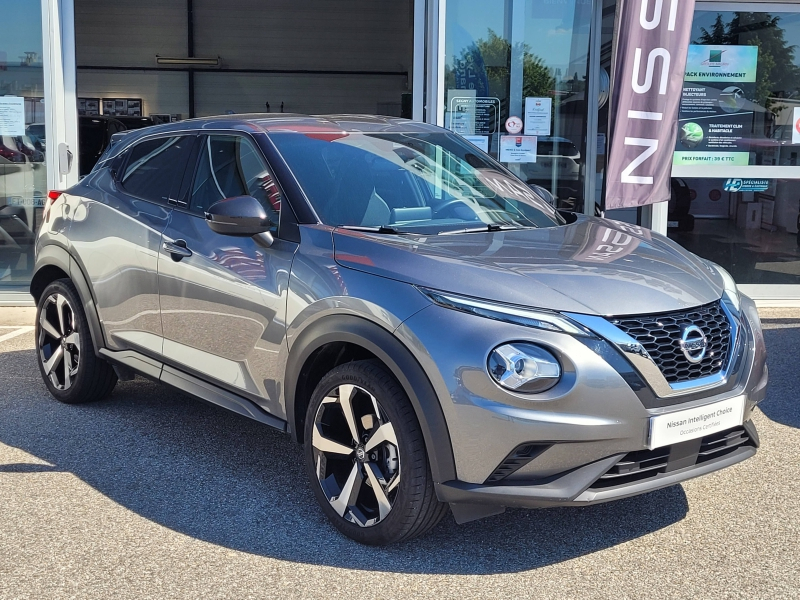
[[409, 182]]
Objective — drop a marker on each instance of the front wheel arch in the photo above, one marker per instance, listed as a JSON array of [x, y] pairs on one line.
[[380, 343]]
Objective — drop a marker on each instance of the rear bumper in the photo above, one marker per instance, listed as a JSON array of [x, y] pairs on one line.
[[589, 484]]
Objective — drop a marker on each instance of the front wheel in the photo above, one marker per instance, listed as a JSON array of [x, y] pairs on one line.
[[366, 458], [65, 353]]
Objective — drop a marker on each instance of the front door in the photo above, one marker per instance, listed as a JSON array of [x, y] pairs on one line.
[[223, 298]]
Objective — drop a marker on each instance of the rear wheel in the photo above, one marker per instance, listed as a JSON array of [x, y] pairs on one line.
[[66, 358], [366, 458]]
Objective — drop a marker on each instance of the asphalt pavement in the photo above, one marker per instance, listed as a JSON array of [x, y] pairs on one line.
[[151, 494]]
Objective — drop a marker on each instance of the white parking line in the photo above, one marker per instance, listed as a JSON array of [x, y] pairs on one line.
[[17, 331]]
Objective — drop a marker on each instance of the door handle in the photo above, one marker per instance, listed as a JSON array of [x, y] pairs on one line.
[[177, 249]]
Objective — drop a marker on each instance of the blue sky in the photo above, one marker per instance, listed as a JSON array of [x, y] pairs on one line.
[[20, 28]]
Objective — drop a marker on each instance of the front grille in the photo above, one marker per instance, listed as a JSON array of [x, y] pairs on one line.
[[660, 335], [646, 464]]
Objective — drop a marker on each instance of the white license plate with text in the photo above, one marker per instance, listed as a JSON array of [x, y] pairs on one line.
[[692, 423]]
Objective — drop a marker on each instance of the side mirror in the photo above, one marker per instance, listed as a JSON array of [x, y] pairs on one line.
[[241, 216]]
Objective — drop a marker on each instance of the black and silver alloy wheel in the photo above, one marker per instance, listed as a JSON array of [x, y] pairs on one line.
[[366, 458], [58, 341], [356, 455], [71, 370]]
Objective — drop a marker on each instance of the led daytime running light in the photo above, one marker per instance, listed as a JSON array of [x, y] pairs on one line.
[[507, 313]]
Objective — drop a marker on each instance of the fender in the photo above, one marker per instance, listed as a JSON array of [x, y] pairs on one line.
[[402, 364], [57, 256]]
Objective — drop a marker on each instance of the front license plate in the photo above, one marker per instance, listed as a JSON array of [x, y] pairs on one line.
[[698, 422]]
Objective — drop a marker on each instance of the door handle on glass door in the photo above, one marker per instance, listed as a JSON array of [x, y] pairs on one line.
[[177, 249]]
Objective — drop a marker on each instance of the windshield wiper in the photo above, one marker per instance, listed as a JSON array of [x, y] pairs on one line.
[[485, 228], [382, 229]]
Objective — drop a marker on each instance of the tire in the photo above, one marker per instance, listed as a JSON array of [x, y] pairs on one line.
[[390, 453], [77, 375]]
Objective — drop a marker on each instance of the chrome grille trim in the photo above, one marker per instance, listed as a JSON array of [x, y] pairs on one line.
[[660, 334], [644, 363]]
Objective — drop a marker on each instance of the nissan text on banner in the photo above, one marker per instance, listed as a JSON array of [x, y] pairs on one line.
[[647, 80]]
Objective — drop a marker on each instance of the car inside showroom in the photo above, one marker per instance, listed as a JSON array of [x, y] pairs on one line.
[[73, 73]]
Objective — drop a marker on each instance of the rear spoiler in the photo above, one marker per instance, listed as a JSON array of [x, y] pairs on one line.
[[117, 137]]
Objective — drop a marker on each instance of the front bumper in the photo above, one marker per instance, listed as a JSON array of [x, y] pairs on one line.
[[589, 484], [574, 436]]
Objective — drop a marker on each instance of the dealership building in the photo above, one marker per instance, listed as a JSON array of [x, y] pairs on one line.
[[73, 72]]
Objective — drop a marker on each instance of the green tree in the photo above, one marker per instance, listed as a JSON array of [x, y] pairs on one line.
[[494, 53]]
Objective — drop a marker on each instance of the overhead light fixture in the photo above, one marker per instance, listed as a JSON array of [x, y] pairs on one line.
[[193, 61]]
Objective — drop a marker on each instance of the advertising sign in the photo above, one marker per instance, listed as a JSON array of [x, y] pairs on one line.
[[12, 115], [746, 185], [518, 148], [538, 113], [716, 116], [647, 78]]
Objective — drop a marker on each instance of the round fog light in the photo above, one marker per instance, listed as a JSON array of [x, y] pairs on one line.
[[524, 367]]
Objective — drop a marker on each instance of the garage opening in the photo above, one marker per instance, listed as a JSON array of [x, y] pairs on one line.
[[191, 58]]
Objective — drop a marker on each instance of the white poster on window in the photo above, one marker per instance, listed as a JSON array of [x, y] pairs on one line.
[[538, 113], [12, 115], [796, 126], [518, 148], [481, 141]]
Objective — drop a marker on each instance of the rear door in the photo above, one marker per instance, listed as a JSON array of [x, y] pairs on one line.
[[223, 298], [116, 230]]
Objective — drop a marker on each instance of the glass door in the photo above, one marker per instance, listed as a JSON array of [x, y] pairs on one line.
[[23, 139], [515, 82], [736, 170]]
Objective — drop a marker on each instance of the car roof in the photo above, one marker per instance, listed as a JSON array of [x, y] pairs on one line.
[[283, 122]]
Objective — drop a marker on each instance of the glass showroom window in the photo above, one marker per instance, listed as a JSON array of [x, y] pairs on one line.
[[736, 179], [526, 59], [23, 173]]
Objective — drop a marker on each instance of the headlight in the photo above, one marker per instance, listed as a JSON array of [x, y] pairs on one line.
[[731, 293], [524, 367], [519, 315]]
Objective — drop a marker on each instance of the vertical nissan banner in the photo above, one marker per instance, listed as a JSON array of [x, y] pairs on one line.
[[652, 37]]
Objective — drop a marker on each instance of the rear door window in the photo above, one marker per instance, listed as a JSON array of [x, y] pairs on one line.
[[154, 167]]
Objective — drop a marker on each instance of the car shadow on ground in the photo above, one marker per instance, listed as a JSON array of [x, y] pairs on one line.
[[224, 479], [782, 403]]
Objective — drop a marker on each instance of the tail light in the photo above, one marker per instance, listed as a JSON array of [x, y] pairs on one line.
[[52, 196]]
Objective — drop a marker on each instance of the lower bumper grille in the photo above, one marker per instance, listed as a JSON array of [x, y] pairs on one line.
[[646, 464]]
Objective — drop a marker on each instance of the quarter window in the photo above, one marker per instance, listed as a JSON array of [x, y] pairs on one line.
[[231, 166], [154, 167]]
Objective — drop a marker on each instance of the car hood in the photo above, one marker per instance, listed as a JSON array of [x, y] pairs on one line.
[[591, 266]]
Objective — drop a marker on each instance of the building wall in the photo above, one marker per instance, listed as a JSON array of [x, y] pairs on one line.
[[281, 35]]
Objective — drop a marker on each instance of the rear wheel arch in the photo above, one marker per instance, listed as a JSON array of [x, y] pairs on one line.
[[337, 339], [55, 262]]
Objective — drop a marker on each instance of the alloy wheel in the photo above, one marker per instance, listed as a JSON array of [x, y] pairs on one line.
[[59, 341], [356, 455]]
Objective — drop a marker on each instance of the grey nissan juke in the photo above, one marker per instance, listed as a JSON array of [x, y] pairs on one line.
[[431, 330]]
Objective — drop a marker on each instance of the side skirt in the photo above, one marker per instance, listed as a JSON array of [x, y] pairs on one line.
[[193, 386]]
